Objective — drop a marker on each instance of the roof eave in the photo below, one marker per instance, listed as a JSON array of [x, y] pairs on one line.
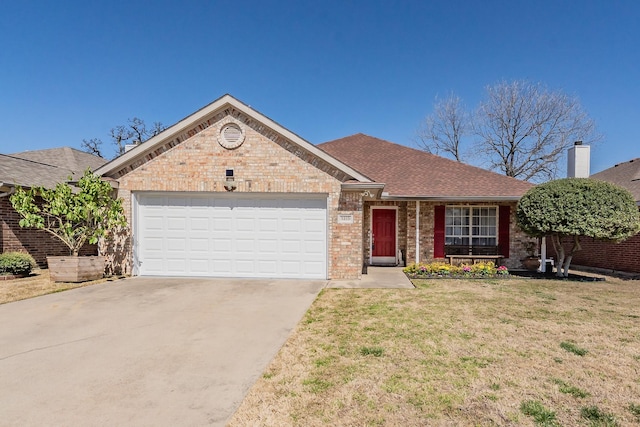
[[454, 198], [368, 189]]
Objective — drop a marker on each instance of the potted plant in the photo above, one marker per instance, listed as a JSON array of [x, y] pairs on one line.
[[532, 261], [76, 216]]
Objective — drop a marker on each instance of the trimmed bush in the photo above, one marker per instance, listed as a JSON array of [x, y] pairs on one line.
[[16, 263]]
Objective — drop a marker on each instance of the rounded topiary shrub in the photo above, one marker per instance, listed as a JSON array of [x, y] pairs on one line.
[[16, 263]]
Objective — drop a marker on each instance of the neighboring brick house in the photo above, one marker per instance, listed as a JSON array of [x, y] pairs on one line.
[[39, 168], [228, 192], [623, 256]]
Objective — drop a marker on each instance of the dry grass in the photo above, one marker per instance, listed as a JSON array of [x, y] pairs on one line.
[[458, 353], [38, 283]]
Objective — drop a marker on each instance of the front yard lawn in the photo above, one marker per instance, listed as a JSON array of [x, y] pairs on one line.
[[457, 353], [38, 283]]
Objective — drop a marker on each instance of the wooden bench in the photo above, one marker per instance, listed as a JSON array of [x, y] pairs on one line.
[[473, 254]]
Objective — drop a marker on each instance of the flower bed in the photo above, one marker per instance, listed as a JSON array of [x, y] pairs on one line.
[[463, 271]]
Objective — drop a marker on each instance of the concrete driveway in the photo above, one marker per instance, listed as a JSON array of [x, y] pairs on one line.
[[143, 351]]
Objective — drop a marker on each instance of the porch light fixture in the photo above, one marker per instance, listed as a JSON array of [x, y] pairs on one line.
[[229, 182]]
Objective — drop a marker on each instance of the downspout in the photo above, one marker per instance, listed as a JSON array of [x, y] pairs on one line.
[[417, 231]]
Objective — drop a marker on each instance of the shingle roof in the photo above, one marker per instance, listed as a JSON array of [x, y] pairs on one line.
[[64, 157], [413, 173], [45, 167], [625, 174]]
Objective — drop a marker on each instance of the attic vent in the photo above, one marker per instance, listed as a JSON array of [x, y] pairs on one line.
[[231, 136]]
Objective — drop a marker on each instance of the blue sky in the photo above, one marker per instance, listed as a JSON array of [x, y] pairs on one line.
[[323, 69]]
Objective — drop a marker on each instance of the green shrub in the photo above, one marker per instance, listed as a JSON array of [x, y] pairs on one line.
[[16, 263]]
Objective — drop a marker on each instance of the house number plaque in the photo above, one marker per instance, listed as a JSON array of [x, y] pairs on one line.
[[345, 219]]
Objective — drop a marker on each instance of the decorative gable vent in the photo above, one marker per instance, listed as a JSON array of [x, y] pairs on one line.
[[231, 136]]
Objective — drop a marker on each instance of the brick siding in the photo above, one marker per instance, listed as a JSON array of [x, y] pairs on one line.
[[407, 231], [623, 256], [261, 165], [38, 243]]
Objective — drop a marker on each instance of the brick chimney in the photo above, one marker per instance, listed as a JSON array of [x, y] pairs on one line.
[[578, 161]]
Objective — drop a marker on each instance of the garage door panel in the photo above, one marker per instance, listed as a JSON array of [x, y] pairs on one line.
[[290, 246], [267, 267], [313, 267], [267, 225], [199, 266], [154, 243], [245, 224], [153, 264], [244, 266], [176, 265], [199, 224], [221, 267], [244, 246], [176, 244], [314, 247], [199, 245], [268, 246], [153, 223], [221, 245], [221, 224], [314, 225], [231, 235], [291, 225]]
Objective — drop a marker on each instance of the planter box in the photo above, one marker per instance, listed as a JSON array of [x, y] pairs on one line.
[[75, 269], [531, 263]]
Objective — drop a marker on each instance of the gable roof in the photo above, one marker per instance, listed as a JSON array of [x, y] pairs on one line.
[[412, 173], [45, 168], [626, 175], [207, 116]]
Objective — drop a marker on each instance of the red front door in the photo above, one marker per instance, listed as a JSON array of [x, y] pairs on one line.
[[384, 232]]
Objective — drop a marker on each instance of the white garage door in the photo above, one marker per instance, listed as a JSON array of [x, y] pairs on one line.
[[231, 236]]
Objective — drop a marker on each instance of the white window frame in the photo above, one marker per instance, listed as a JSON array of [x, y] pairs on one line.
[[470, 225]]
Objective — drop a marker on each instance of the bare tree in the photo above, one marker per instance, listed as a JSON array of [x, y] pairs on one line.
[[134, 132], [120, 135], [92, 146], [442, 131], [524, 129]]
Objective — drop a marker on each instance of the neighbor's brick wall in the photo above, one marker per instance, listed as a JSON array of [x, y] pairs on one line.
[[623, 256], [38, 243], [260, 165]]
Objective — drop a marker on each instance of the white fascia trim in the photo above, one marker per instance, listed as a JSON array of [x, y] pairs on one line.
[[375, 187], [216, 105], [454, 198]]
